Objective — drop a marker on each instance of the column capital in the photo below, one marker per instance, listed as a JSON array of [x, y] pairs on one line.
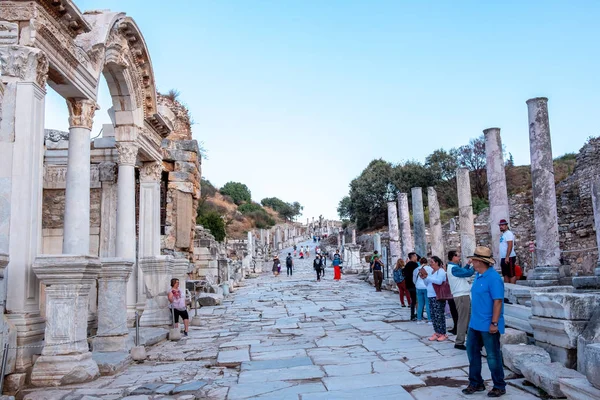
[[151, 171], [127, 153], [81, 113], [24, 63]]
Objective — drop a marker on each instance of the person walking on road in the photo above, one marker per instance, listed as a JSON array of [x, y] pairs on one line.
[[486, 324], [307, 254], [289, 263], [461, 289], [508, 256], [401, 283], [318, 266], [336, 262], [276, 265], [377, 273], [437, 304]]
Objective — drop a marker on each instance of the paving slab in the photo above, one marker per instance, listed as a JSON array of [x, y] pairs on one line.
[[392, 392], [372, 380], [232, 358], [281, 374], [275, 364]]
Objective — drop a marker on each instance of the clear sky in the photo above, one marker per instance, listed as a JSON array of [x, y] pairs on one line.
[[294, 98]]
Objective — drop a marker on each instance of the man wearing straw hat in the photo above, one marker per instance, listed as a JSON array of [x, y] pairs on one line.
[[486, 324]]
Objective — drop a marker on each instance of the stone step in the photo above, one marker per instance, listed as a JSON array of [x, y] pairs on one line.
[[558, 332], [546, 376], [517, 317], [569, 306], [578, 389]]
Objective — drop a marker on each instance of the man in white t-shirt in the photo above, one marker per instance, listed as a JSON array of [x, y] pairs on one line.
[[508, 256]]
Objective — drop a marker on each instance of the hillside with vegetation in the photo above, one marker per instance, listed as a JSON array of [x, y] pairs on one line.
[[230, 212]]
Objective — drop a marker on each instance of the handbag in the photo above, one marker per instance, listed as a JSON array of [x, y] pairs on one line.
[[442, 292]]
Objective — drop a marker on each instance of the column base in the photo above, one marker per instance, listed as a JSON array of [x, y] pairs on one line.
[[62, 370], [542, 276], [586, 282]]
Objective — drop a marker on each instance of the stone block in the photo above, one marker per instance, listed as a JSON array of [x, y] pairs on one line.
[[561, 333], [586, 282], [590, 335], [516, 355], [210, 299], [517, 294], [578, 389], [179, 155], [546, 376], [592, 364], [517, 316], [184, 166], [111, 362], [513, 336], [565, 357], [571, 306], [185, 145]]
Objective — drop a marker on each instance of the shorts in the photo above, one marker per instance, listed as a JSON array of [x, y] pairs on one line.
[[183, 313], [508, 270]]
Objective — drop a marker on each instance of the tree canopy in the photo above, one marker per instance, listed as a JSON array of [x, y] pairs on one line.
[[285, 210], [237, 191]]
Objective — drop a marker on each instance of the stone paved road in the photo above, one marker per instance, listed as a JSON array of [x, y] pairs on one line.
[[294, 338]]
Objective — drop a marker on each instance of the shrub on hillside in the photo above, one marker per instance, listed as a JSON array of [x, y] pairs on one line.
[[248, 208], [207, 188], [237, 191], [214, 223]]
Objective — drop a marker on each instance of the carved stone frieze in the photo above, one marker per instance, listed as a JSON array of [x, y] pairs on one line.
[[108, 171], [81, 113], [151, 171], [24, 63], [128, 152], [12, 11], [55, 176], [9, 33]]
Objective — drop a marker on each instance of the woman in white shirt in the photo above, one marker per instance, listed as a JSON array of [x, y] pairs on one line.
[[438, 315]]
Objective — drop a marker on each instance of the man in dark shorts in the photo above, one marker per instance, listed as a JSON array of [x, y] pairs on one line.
[[177, 303], [508, 256]]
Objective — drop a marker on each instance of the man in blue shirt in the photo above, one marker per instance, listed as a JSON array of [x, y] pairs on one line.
[[486, 324]]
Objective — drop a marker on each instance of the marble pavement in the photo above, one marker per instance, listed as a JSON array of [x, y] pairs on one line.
[[295, 338]]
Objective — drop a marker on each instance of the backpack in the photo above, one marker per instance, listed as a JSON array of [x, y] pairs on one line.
[[317, 264], [288, 261], [398, 276]]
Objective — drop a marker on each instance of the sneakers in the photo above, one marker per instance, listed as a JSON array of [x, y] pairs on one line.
[[460, 346], [434, 337], [495, 392], [421, 322], [185, 333], [472, 389], [403, 305], [441, 338]]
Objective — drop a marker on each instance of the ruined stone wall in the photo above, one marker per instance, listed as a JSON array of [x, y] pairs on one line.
[[182, 161]]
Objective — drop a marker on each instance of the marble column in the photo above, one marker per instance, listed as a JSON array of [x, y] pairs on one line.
[[65, 357], [126, 235], [496, 179], [338, 240], [377, 242], [419, 222], [113, 334], [394, 232], [353, 236], [24, 70], [157, 272], [76, 238], [435, 225], [149, 220], [108, 209], [544, 194], [405, 233], [465, 213]]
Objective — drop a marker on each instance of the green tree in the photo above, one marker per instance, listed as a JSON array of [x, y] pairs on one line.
[[287, 211], [237, 191], [472, 156], [214, 223], [344, 209]]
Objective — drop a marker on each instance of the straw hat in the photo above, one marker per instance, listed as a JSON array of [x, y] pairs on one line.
[[484, 254]]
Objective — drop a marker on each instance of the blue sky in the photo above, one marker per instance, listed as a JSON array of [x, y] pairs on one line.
[[294, 98]]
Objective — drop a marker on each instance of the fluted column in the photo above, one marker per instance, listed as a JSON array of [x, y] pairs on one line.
[[435, 224], [419, 222], [126, 246], [76, 239], [544, 193], [405, 233], [465, 213], [496, 179], [394, 233]]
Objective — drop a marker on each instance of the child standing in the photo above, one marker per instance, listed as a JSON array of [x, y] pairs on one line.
[[399, 279]]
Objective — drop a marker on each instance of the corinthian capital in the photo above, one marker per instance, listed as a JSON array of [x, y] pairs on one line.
[[127, 153], [151, 171], [24, 63], [81, 113]]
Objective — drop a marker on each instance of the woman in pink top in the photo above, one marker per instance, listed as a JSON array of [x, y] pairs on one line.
[[177, 299]]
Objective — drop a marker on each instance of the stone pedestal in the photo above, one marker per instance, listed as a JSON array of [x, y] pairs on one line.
[[113, 334], [65, 357], [544, 194], [496, 178], [157, 275], [435, 224], [405, 233], [419, 222], [465, 213], [394, 232]]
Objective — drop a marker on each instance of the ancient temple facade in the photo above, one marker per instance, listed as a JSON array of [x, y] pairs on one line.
[[82, 219]]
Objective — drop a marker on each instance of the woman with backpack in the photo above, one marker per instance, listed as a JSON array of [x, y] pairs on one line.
[[400, 282]]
